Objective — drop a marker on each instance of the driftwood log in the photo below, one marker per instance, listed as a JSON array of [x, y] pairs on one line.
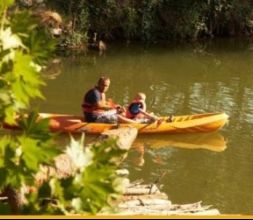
[[143, 199], [64, 167]]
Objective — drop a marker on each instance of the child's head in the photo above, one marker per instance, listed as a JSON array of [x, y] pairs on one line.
[[140, 96]]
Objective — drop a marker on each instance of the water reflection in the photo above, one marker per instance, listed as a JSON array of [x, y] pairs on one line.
[[209, 141]]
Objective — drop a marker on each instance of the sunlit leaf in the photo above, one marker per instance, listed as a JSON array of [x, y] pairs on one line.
[[24, 67], [56, 189], [4, 97], [5, 3], [81, 157], [77, 204], [19, 92], [8, 40], [10, 115]]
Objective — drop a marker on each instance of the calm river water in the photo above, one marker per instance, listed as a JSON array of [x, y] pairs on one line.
[[178, 79]]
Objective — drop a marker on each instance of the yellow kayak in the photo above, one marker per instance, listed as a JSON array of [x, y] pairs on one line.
[[180, 124]]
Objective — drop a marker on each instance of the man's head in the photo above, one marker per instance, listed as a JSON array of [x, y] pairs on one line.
[[140, 96], [103, 84]]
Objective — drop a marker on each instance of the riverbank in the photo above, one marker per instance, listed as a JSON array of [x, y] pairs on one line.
[[147, 199]]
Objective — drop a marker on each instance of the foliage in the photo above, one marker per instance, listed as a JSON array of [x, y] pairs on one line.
[[22, 154], [152, 20], [130, 24], [93, 186], [78, 21], [24, 25], [74, 40], [21, 53], [24, 48], [148, 17]]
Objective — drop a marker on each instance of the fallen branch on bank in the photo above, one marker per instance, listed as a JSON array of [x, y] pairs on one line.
[[139, 200]]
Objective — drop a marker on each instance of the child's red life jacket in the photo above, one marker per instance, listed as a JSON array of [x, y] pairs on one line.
[[133, 109]]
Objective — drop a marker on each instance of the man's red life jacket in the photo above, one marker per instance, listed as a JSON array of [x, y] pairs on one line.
[[91, 108]]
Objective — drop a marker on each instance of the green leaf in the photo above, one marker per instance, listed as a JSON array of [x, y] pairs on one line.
[[35, 153], [97, 187], [34, 128], [57, 191], [19, 92], [5, 209], [3, 177], [5, 4], [44, 190], [107, 152], [4, 141], [26, 81], [24, 68], [5, 98], [14, 177], [10, 115], [40, 46], [31, 152], [22, 23]]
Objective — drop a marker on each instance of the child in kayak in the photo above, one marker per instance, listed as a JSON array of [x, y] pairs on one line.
[[137, 110]]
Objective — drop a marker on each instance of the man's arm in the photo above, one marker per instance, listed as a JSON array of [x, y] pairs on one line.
[[107, 105], [103, 105]]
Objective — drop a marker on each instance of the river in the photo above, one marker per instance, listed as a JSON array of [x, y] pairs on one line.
[[178, 79]]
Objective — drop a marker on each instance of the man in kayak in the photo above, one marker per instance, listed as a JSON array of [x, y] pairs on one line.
[[97, 109]]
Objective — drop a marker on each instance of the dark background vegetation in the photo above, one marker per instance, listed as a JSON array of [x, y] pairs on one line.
[[157, 20]]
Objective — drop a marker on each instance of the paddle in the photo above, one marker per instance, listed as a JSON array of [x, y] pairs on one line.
[[75, 126], [159, 121]]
